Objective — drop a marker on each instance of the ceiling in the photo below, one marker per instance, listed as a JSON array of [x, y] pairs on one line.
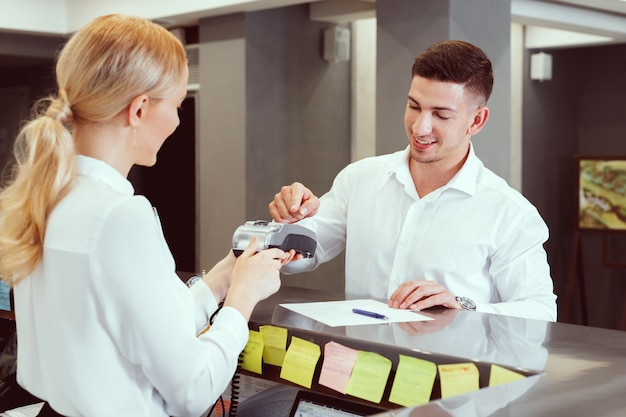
[[570, 23], [549, 24], [612, 6]]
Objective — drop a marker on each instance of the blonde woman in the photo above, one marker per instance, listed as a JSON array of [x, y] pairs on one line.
[[105, 327]]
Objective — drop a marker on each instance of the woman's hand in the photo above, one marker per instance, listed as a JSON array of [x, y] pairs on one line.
[[255, 277], [219, 277]]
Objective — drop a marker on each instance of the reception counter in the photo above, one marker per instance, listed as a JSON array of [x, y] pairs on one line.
[[568, 369]]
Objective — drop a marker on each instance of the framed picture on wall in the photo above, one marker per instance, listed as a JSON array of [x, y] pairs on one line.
[[601, 192]]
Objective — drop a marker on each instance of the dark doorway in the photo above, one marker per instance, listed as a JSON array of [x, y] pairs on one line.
[[170, 185]]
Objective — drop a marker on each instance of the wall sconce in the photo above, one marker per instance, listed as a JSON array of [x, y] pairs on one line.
[[337, 44], [541, 66]]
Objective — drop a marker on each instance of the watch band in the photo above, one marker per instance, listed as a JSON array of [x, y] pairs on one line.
[[466, 303], [193, 280]]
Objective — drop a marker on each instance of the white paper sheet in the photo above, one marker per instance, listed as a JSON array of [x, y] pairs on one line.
[[339, 313], [25, 411]]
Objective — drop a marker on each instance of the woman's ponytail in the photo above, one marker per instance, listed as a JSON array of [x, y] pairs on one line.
[[43, 172]]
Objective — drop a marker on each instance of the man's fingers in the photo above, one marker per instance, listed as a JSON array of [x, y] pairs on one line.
[[279, 211], [294, 202], [295, 195]]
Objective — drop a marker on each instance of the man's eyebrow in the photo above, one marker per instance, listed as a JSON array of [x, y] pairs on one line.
[[440, 108], [445, 109]]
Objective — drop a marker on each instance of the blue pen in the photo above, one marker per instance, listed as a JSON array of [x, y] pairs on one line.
[[369, 314]]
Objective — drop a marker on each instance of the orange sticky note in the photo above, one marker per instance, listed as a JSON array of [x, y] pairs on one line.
[[458, 379]]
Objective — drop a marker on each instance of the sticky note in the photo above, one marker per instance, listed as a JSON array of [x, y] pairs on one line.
[[500, 375], [300, 361], [414, 381], [369, 376], [275, 344], [337, 366], [252, 356], [458, 378]]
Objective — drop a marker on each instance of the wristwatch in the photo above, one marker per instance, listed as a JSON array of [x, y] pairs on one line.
[[466, 303], [194, 279]]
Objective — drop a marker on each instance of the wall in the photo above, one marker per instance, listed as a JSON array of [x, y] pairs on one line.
[[22, 86], [298, 117], [580, 111], [407, 27], [292, 123]]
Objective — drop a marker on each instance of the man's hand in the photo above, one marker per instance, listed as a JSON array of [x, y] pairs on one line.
[[442, 319], [422, 294], [293, 203]]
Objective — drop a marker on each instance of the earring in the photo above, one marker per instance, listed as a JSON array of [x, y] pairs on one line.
[[134, 138]]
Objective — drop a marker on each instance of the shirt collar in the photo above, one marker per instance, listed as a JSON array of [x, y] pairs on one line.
[[464, 180], [104, 173]]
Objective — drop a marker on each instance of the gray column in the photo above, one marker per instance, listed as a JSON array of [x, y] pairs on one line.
[[221, 137], [271, 111]]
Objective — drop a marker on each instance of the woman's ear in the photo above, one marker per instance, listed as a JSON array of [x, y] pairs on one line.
[[480, 118], [137, 110]]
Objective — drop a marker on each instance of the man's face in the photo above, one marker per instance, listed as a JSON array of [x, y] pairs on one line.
[[438, 120]]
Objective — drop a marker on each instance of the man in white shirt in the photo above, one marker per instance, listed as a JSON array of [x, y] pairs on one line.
[[431, 225]]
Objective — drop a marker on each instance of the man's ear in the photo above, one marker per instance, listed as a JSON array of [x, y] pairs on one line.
[[480, 118], [137, 110]]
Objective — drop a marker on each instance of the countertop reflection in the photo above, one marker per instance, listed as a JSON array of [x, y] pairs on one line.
[[580, 371]]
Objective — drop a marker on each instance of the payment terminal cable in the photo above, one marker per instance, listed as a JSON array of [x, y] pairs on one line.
[[220, 400], [235, 388], [235, 381]]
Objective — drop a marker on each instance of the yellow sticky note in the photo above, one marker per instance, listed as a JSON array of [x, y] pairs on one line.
[[500, 375], [275, 344], [300, 361], [337, 367], [369, 376], [458, 378], [253, 353], [414, 381]]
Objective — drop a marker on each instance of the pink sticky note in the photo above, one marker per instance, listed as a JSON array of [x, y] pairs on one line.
[[337, 366]]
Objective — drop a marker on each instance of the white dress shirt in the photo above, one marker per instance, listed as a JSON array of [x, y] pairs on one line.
[[105, 326], [476, 236]]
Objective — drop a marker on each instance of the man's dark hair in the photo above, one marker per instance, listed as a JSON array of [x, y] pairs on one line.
[[458, 62]]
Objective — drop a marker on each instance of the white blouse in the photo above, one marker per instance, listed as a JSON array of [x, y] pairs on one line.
[[105, 326]]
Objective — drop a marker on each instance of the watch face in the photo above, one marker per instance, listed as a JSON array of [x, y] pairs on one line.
[[193, 280], [466, 303]]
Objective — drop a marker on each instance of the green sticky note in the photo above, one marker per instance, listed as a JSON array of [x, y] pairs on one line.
[[458, 379], [414, 381], [500, 375], [275, 344], [253, 353], [300, 361], [369, 376]]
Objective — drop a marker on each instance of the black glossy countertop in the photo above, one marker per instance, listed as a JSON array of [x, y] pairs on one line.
[[577, 370]]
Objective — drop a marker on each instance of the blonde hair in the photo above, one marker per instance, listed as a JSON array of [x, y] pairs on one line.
[[99, 71]]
